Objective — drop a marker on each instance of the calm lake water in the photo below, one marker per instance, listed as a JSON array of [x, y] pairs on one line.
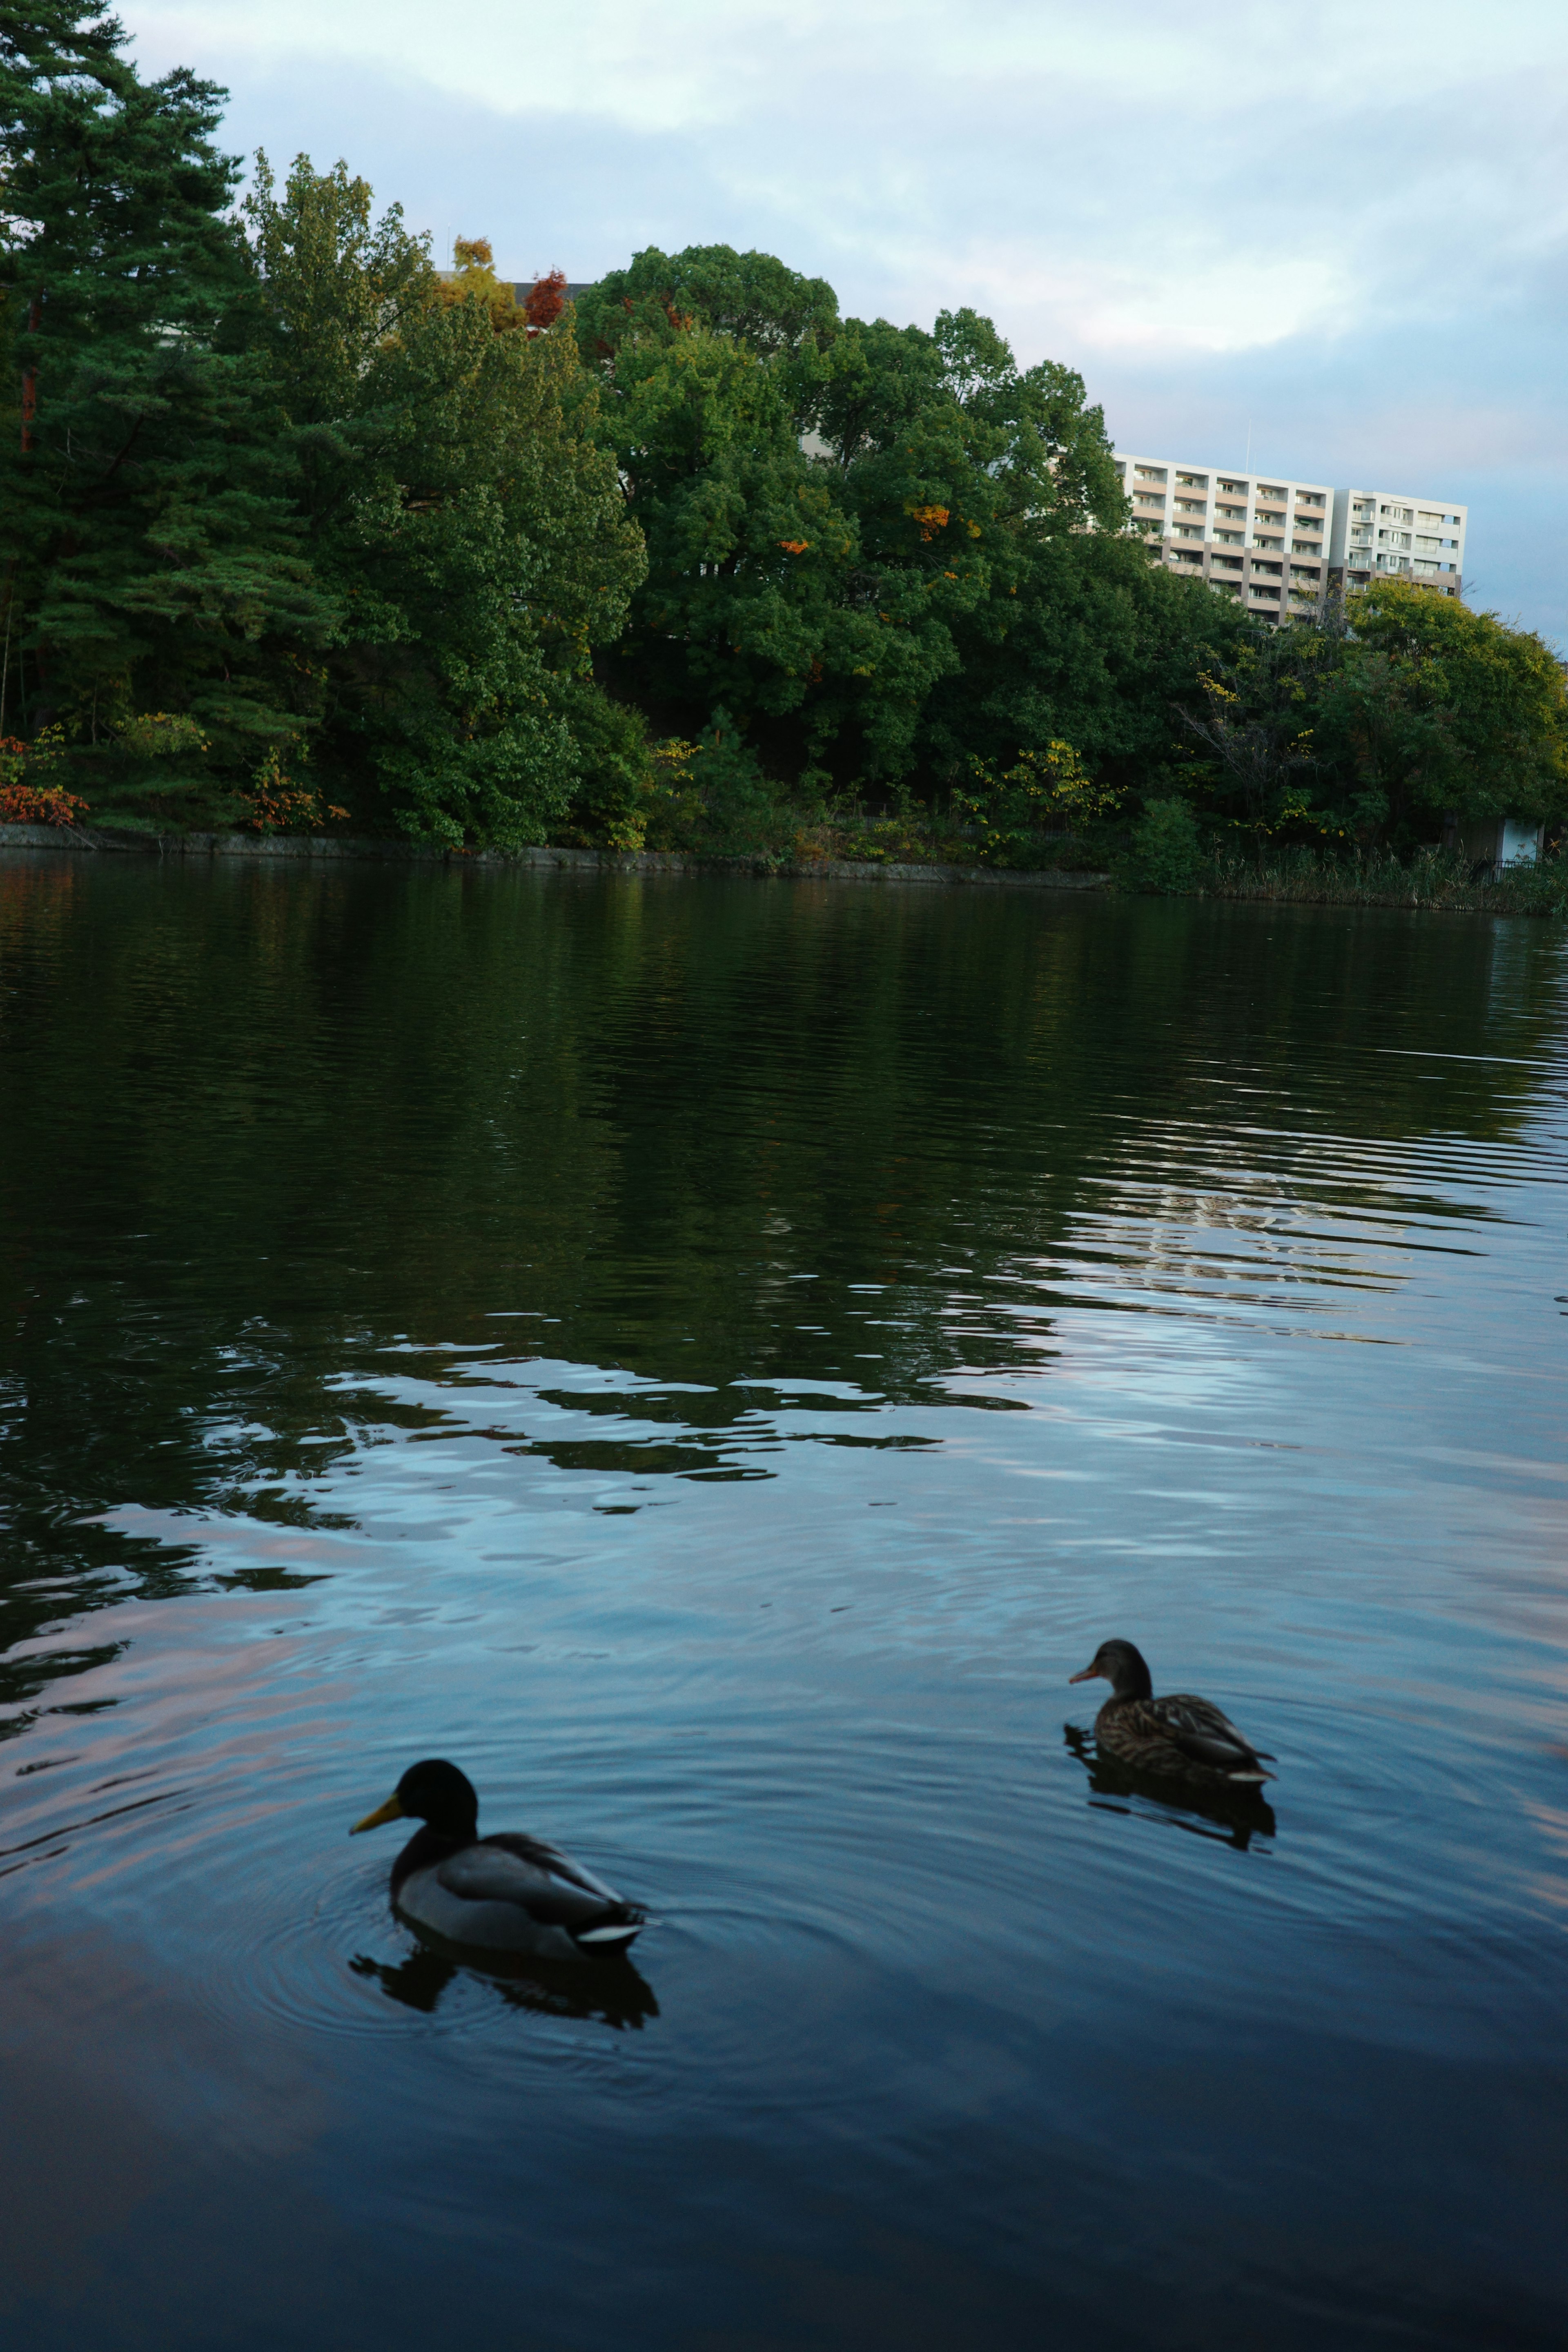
[[713, 1358]]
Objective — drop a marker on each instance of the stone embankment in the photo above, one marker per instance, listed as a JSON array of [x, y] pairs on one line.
[[321, 848]]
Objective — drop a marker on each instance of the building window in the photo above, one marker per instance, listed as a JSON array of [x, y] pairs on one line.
[[1193, 481], [1151, 473]]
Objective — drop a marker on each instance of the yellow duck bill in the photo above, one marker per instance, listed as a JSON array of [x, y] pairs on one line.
[[391, 1812]]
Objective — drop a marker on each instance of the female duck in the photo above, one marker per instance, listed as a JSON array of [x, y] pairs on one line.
[[507, 1893], [1179, 1735]]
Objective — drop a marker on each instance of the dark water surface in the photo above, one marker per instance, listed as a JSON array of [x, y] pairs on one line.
[[713, 1358]]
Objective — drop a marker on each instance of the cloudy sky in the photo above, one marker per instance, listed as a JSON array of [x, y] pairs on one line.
[[1338, 227]]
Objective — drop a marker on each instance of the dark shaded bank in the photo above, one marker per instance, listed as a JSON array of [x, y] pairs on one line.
[[321, 847]]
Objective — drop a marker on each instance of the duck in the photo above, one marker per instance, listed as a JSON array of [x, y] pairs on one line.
[[506, 1892], [1176, 1737]]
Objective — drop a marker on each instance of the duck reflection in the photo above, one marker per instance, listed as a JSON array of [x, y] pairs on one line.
[[610, 1991], [1231, 1816]]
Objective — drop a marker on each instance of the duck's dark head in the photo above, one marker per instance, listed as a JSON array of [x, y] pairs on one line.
[[432, 1792], [1120, 1666]]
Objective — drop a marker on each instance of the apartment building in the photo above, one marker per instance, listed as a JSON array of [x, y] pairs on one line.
[[1254, 537], [1387, 531], [1278, 546]]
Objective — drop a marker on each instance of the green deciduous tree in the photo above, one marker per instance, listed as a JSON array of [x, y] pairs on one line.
[[460, 509], [841, 516], [1436, 707]]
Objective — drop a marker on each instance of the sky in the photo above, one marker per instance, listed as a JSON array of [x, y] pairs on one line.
[[1333, 232]]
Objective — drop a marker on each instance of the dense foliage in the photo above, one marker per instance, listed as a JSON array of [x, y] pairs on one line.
[[298, 529]]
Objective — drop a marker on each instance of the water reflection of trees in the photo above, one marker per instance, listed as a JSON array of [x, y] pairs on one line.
[[733, 1139]]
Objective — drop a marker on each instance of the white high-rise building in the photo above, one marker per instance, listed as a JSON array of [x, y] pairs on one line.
[[1276, 545], [1259, 538], [1393, 531]]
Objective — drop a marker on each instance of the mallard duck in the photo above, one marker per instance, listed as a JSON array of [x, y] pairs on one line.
[[1179, 1735], [507, 1893]]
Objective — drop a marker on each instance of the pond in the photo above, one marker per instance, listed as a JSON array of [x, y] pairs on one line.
[[714, 1357]]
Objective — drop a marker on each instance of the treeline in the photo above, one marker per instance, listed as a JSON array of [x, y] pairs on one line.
[[297, 530]]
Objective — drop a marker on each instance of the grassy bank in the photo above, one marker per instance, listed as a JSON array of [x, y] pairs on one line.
[[1428, 878]]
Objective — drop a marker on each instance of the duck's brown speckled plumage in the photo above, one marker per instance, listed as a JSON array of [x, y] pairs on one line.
[[1179, 1736]]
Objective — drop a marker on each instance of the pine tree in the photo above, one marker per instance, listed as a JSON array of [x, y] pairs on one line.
[[162, 612]]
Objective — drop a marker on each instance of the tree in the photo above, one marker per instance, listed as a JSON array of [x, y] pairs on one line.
[[839, 514], [1437, 707], [1093, 644], [747, 545], [459, 508], [161, 610], [975, 485], [474, 278], [1255, 718], [765, 305], [545, 301]]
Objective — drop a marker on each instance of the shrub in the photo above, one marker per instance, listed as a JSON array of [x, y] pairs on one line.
[[1166, 854], [26, 795]]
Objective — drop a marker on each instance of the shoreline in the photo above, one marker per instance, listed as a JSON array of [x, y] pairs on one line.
[[323, 850]]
